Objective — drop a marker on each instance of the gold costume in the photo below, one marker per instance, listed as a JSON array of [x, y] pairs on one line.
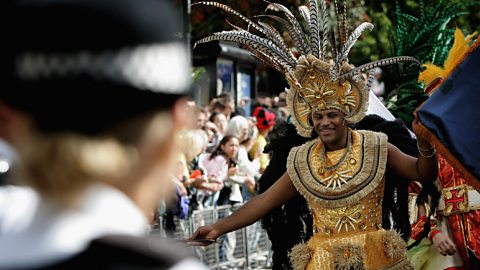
[[344, 189]]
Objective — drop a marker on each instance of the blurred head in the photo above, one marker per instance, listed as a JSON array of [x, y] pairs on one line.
[[192, 143], [229, 146], [97, 99], [220, 121], [211, 130], [224, 104], [201, 115], [331, 127], [244, 102], [238, 127]]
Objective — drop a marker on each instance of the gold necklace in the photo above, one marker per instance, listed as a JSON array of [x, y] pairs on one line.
[[348, 149], [337, 177]]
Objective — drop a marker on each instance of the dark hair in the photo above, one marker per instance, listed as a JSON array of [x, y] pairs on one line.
[[224, 98], [218, 106], [218, 150], [212, 116]]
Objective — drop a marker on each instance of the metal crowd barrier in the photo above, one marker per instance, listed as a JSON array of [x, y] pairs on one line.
[[247, 248]]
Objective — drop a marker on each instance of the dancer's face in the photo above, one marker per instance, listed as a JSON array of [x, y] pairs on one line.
[[331, 127]]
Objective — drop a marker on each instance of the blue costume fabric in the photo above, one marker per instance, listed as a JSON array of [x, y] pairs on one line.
[[451, 113]]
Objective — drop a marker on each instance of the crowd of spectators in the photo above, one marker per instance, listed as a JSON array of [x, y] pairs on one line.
[[222, 154]]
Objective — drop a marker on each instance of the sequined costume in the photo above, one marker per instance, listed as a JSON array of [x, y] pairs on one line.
[[346, 205], [460, 209], [422, 252], [321, 79]]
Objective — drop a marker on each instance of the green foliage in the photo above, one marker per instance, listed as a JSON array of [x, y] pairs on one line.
[[197, 72], [426, 36]]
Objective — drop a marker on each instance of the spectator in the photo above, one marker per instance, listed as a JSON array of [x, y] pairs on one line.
[[93, 106], [240, 128], [265, 123], [220, 165], [242, 107], [220, 122], [224, 104], [202, 116]]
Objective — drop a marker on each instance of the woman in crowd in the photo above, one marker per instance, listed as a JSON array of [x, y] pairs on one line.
[[239, 127], [219, 166]]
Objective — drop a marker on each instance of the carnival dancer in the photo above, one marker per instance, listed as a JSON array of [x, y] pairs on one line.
[[341, 173]]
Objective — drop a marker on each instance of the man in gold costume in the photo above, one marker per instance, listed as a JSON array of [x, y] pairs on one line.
[[340, 173]]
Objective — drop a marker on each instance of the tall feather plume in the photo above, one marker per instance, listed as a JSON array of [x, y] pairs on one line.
[[296, 37], [333, 45], [371, 76], [344, 21], [340, 27], [275, 36], [343, 53], [234, 26], [323, 53], [234, 12], [379, 63], [314, 34], [297, 28], [265, 58], [254, 41], [305, 12]]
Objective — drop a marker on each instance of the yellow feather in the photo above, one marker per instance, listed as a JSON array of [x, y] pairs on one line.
[[455, 56], [430, 73], [459, 49]]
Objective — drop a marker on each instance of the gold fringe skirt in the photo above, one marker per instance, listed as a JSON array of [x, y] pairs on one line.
[[380, 249]]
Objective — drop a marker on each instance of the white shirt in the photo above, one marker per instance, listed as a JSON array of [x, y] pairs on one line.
[[56, 233], [17, 207]]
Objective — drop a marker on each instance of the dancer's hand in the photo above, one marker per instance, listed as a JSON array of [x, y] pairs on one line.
[[415, 123], [203, 236], [444, 244], [422, 142]]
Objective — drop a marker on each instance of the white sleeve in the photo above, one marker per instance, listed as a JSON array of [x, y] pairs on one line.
[[246, 166], [17, 208], [190, 264]]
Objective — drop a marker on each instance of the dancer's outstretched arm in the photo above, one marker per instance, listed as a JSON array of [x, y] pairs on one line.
[[258, 207]]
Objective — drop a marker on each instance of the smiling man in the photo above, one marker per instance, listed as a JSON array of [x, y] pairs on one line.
[[342, 176], [342, 172]]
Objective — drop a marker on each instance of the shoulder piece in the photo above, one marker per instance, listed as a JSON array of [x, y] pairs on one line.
[[358, 175]]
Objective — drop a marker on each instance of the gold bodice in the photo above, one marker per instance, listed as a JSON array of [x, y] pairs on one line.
[[344, 190], [323, 183], [361, 217]]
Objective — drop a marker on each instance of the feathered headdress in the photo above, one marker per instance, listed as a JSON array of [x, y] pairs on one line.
[[321, 77]]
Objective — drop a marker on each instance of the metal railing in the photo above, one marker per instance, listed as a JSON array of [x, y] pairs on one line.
[[247, 248]]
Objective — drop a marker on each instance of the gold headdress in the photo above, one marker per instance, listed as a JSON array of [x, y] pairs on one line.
[[318, 79]]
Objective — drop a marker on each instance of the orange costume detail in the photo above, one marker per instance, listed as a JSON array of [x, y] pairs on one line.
[[464, 225]]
